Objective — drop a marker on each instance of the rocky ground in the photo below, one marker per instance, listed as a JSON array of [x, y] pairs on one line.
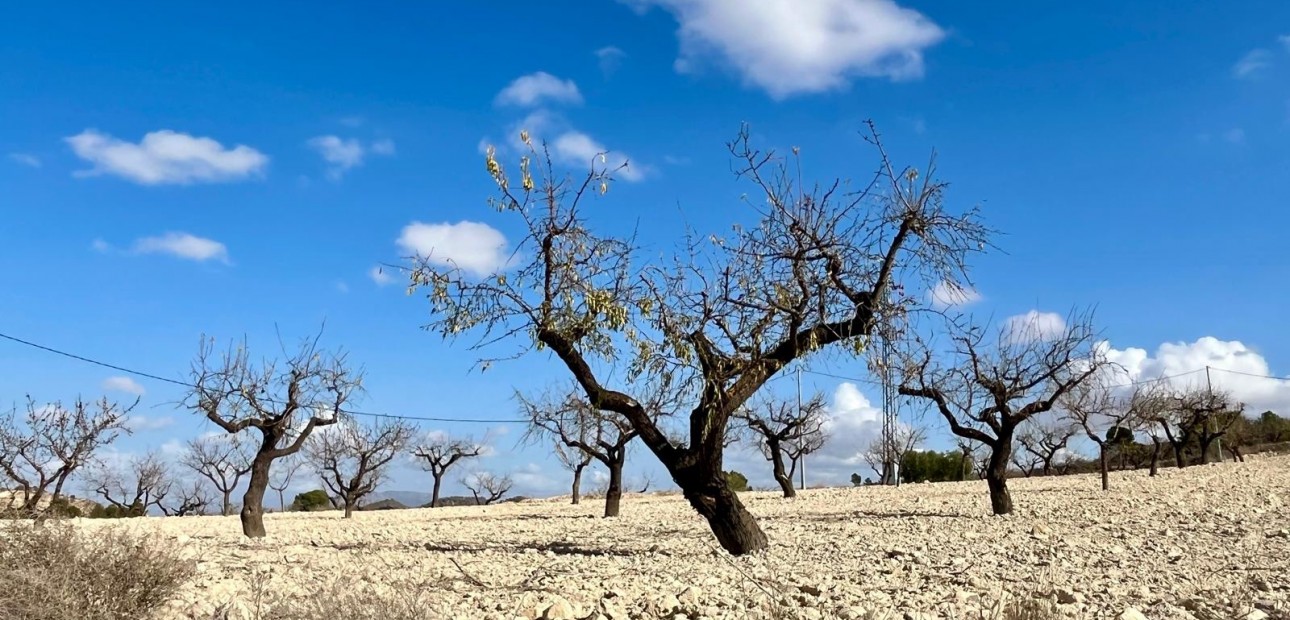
[[1205, 542]]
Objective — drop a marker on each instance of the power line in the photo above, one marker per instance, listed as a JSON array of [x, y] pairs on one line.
[[139, 373]]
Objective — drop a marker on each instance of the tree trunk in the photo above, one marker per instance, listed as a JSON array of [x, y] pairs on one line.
[[577, 482], [1048, 468], [349, 508], [282, 506], [228, 503], [777, 465], [253, 501], [1106, 475], [1179, 461], [735, 528], [1205, 443], [1155, 459], [434, 494], [614, 494], [996, 476], [1236, 454]]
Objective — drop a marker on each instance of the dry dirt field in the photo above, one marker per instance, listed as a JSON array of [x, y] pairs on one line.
[[1187, 544]]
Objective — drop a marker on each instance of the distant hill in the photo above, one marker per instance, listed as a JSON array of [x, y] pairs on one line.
[[385, 504], [407, 498]]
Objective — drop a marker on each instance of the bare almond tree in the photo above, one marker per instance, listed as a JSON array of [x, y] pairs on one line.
[[992, 385], [283, 473], [1045, 440], [818, 267], [1108, 416], [1196, 415], [187, 497], [221, 460], [601, 435], [438, 453], [784, 431], [486, 487], [143, 482], [280, 401], [1026, 462], [574, 460], [881, 451], [352, 457], [39, 451]]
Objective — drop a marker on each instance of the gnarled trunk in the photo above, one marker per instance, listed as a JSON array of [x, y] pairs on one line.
[[434, 493], [1155, 458], [614, 494], [349, 508], [1179, 459], [777, 465], [996, 475], [577, 481], [735, 528], [253, 501], [227, 507], [1106, 476]]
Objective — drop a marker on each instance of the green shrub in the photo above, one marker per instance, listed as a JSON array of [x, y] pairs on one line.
[[736, 481], [932, 466], [311, 501], [56, 572]]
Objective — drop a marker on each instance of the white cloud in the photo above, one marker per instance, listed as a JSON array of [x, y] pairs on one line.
[[25, 159], [123, 384], [166, 157], [379, 276], [100, 246], [610, 58], [536, 88], [475, 248], [532, 480], [1234, 136], [950, 294], [1252, 63], [341, 286], [343, 154], [141, 423], [183, 245], [1284, 40], [1190, 359], [790, 47], [1033, 326], [577, 148], [383, 147]]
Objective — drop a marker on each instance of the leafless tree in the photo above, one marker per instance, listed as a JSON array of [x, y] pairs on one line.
[[352, 458], [486, 488], [222, 460], [283, 473], [281, 401], [574, 460], [1109, 417], [1194, 414], [881, 451], [1026, 462], [783, 431], [1240, 433], [187, 497], [39, 451], [822, 265], [992, 385], [440, 452], [601, 435], [142, 483], [1045, 440]]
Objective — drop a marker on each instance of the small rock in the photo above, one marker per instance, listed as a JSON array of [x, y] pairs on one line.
[[559, 609], [810, 590], [1131, 613], [1066, 596], [690, 596]]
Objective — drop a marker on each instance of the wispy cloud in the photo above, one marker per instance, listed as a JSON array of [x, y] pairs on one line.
[[182, 245], [123, 384], [25, 159], [343, 154], [537, 88], [166, 157], [610, 58], [1252, 64], [790, 47]]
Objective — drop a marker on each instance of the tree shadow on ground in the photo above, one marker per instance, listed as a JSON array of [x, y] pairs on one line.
[[873, 514], [557, 548]]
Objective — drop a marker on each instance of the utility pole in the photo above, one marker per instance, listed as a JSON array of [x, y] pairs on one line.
[[801, 459], [1209, 388]]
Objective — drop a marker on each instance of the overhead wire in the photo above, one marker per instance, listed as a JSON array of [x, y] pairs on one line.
[[147, 375]]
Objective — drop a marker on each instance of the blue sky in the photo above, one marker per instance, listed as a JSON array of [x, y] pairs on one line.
[[1133, 155]]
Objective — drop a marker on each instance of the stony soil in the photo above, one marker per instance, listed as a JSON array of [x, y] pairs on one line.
[[1205, 542]]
